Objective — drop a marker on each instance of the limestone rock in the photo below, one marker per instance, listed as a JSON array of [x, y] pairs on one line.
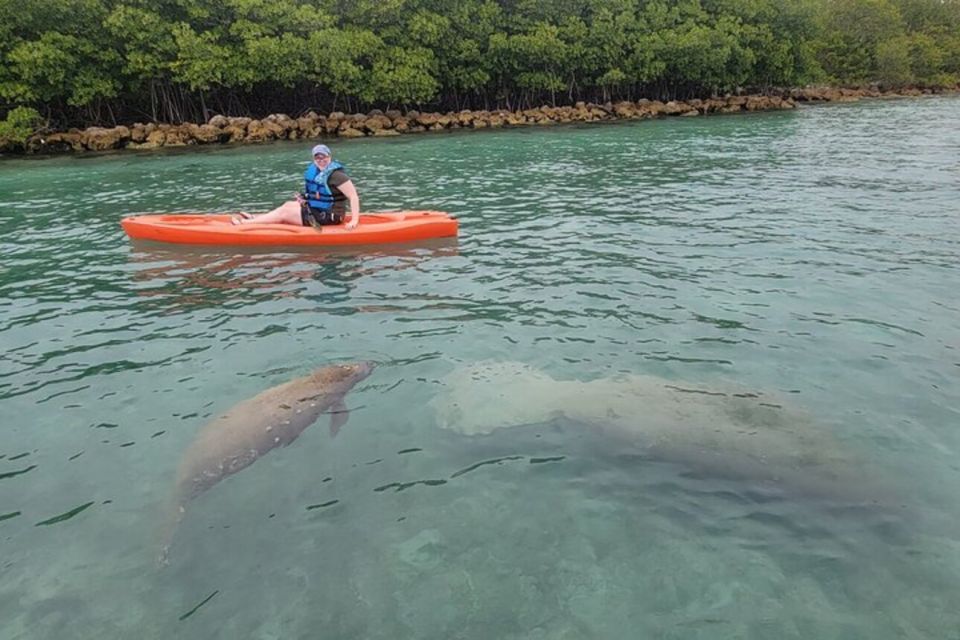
[[206, 133], [156, 138], [68, 141], [138, 133], [376, 123], [101, 139], [427, 119], [235, 133], [178, 136]]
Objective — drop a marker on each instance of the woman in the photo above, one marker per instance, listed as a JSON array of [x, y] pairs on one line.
[[327, 188]]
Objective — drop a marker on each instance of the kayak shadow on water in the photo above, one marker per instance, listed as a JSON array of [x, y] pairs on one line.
[[181, 276]]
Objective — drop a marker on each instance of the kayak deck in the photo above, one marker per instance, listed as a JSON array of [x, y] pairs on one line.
[[374, 228]]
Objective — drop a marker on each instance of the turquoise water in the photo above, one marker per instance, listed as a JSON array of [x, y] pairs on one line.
[[808, 259]]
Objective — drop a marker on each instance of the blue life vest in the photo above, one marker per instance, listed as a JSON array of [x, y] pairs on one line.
[[317, 191]]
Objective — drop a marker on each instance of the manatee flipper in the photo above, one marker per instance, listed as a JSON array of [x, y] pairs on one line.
[[339, 414]]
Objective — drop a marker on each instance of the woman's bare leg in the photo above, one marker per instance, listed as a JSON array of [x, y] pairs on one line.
[[287, 213]]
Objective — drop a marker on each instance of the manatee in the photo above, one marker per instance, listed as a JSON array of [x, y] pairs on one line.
[[273, 418], [721, 430]]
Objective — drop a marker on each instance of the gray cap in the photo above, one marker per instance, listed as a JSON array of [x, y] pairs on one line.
[[321, 150]]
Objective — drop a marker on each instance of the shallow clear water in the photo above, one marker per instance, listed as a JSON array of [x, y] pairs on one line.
[[809, 257]]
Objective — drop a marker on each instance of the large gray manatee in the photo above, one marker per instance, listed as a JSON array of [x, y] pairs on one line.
[[248, 430], [723, 430]]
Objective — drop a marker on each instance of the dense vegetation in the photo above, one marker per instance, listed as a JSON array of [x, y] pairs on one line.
[[103, 61]]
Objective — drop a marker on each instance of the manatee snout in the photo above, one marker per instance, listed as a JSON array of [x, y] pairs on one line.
[[357, 371], [364, 368]]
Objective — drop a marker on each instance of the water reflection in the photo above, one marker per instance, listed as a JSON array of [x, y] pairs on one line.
[[177, 278]]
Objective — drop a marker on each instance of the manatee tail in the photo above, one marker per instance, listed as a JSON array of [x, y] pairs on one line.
[[169, 532]]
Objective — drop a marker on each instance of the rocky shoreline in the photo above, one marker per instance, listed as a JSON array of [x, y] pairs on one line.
[[223, 130]]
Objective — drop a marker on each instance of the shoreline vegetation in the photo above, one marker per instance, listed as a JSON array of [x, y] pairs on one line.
[[377, 123], [74, 74]]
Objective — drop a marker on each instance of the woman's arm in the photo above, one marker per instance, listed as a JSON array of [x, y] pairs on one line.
[[350, 191]]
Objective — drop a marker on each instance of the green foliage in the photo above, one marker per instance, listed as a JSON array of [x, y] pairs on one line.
[[168, 57], [925, 58], [146, 41], [340, 59], [202, 62], [893, 61], [856, 32], [18, 126], [402, 76], [59, 66]]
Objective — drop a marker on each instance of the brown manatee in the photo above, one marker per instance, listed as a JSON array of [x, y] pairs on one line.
[[723, 431], [252, 428]]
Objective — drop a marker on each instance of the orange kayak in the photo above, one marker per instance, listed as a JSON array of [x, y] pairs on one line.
[[374, 228]]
